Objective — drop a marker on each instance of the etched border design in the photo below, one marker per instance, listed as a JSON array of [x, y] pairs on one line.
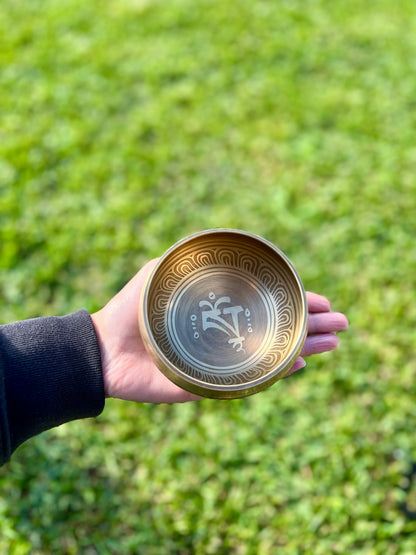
[[282, 292]]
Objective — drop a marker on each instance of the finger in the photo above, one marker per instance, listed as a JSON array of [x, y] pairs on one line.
[[300, 363], [317, 303], [319, 343], [324, 322]]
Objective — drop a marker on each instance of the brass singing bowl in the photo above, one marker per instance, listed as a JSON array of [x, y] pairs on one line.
[[223, 314]]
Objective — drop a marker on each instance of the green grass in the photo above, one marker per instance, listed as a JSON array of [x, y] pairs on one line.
[[124, 126]]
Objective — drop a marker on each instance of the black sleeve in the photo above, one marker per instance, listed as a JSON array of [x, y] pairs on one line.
[[50, 373]]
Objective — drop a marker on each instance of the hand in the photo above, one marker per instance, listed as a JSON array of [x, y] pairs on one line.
[[130, 374], [322, 325]]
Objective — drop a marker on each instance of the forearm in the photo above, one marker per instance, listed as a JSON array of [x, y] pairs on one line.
[[51, 374]]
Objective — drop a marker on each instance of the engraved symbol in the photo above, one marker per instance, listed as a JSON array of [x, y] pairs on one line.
[[223, 318], [193, 324], [247, 314]]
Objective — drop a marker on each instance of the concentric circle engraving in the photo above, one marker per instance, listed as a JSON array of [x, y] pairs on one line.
[[224, 313], [220, 321]]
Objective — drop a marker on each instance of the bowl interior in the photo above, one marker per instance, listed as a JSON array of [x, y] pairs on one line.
[[225, 309]]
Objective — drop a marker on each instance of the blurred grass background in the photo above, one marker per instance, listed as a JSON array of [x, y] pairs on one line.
[[124, 126]]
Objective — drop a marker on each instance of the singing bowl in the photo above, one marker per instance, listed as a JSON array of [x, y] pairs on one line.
[[223, 314]]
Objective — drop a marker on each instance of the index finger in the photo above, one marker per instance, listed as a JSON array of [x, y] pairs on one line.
[[317, 303]]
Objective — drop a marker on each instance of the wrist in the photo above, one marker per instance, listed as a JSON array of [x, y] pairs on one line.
[[98, 321]]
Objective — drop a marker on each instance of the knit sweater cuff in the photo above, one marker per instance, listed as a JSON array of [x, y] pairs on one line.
[[52, 374]]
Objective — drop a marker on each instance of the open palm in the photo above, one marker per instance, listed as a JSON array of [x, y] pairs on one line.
[[130, 374]]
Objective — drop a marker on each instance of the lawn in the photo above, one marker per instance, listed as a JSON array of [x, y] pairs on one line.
[[126, 125]]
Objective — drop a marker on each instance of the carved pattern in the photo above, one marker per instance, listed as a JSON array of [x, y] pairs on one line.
[[280, 291]]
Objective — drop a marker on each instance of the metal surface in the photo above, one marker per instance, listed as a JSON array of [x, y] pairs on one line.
[[224, 314]]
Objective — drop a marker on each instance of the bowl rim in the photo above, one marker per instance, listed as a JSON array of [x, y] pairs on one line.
[[198, 387]]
